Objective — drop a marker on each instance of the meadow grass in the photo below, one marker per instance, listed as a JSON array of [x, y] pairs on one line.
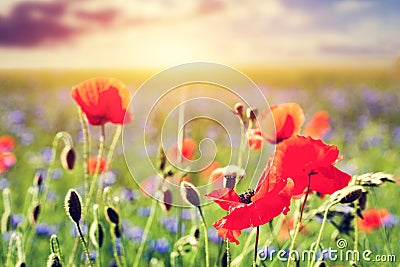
[[363, 105]]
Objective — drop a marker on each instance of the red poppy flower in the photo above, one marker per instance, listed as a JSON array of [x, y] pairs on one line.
[[288, 119], [253, 208], [7, 160], [92, 163], [318, 125], [7, 143], [103, 100], [373, 219], [303, 158], [188, 149], [255, 139]]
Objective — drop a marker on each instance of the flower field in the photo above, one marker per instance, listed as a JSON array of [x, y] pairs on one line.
[[328, 183]]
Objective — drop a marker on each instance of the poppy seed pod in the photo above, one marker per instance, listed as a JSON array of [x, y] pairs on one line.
[[166, 203], [35, 214], [68, 158], [38, 179], [251, 113], [96, 234], [73, 205], [238, 109], [162, 159], [112, 215], [53, 260], [190, 193]]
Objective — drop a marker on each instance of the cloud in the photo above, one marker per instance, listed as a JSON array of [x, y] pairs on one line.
[[31, 24], [346, 49]]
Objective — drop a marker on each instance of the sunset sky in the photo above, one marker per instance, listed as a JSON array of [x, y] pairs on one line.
[[162, 33]]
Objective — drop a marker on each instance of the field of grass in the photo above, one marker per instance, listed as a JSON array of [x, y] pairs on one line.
[[364, 109]]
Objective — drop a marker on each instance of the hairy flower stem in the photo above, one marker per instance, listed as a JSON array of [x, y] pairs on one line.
[[85, 247], [145, 233], [110, 155], [86, 144], [317, 243], [298, 221], [97, 170], [91, 191], [355, 240], [203, 219], [66, 138], [256, 246]]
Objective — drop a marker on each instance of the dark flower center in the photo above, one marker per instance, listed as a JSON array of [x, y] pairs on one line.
[[246, 197]]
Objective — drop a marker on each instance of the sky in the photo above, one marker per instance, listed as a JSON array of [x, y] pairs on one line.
[[163, 33]]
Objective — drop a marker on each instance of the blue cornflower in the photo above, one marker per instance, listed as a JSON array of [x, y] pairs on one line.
[[171, 224], [46, 229], [143, 211], [213, 235], [160, 245], [16, 219]]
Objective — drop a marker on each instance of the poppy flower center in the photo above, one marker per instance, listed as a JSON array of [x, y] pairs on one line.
[[246, 197]]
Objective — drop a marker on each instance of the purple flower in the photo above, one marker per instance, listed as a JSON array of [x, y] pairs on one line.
[[213, 236], [171, 224], [160, 245], [46, 229], [46, 154], [109, 178], [57, 173], [134, 233], [186, 214], [129, 195], [143, 211], [3, 183], [14, 117], [390, 220], [16, 219]]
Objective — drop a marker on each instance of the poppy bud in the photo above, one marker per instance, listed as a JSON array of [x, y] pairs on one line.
[[162, 159], [35, 214], [68, 157], [53, 261], [112, 215], [117, 231], [251, 114], [38, 179], [73, 205], [190, 193], [96, 234], [362, 201], [195, 232], [238, 109], [347, 194], [166, 200]]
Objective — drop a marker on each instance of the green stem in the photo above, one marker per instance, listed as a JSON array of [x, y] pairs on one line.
[[242, 144], [86, 144], [97, 170], [298, 221], [85, 247], [228, 253], [355, 240], [145, 233], [256, 247], [320, 232], [110, 154], [239, 259], [205, 237], [91, 191]]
